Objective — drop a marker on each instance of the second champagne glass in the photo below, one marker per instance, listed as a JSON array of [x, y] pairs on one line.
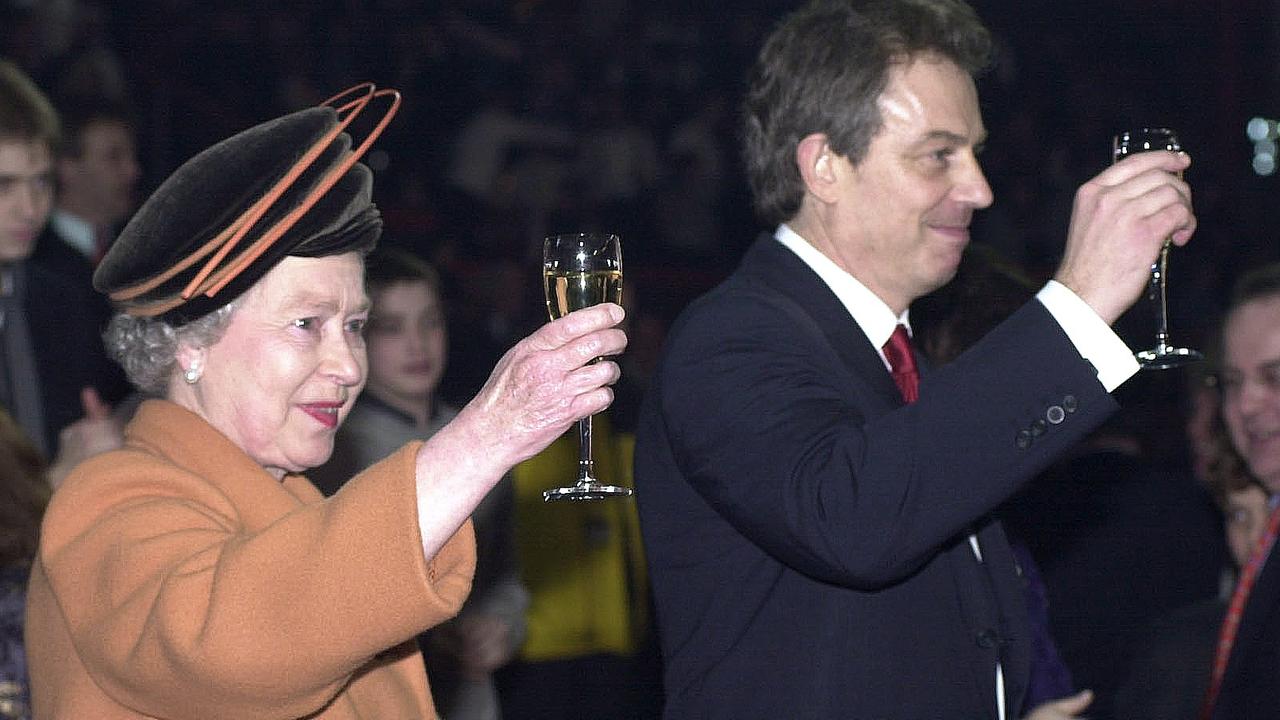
[[580, 270], [1163, 355]]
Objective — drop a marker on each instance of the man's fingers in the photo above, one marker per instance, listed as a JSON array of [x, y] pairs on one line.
[[1152, 183], [1183, 234], [1167, 209], [1135, 165]]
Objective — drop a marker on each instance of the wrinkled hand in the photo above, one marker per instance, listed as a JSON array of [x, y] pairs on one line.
[[1119, 222], [546, 382], [538, 389], [1063, 709], [98, 431]]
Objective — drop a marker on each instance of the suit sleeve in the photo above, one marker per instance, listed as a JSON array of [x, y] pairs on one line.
[[178, 611], [819, 469]]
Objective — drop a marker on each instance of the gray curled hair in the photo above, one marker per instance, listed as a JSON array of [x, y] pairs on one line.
[[147, 347]]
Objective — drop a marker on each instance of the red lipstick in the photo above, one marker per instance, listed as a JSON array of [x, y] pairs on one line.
[[326, 413]]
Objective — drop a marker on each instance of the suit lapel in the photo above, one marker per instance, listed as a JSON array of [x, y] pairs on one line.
[[770, 263], [987, 601]]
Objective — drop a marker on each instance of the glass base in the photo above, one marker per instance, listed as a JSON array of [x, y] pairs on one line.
[[1165, 357], [585, 491]]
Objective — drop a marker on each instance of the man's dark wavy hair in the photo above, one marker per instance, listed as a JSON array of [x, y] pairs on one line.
[[822, 70]]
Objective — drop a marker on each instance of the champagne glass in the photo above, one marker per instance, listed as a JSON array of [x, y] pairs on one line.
[[1163, 355], [580, 270]]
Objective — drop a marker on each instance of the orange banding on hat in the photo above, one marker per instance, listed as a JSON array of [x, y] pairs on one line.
[[289, 186]]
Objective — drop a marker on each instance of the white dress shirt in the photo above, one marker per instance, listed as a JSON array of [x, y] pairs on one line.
[[75, 231]]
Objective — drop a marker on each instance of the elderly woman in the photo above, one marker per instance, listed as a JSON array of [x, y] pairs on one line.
[[195, 573]]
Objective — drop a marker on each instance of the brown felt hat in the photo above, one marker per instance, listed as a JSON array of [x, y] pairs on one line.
[[290, 186]]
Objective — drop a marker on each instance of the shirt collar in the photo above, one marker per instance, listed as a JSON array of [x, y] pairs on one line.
[[871, 313], [76, 231]]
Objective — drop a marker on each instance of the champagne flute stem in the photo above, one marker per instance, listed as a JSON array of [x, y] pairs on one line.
[[1159, 284], [586, 466]]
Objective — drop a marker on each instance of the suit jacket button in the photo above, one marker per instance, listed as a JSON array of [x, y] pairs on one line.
[[988, 638], [1069, 403], [1055, 414], [1024, 439], [1038, 427]]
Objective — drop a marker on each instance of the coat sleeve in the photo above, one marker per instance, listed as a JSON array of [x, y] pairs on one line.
[[812, 463], [175, 609]]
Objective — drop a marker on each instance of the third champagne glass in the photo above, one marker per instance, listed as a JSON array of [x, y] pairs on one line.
[[1163, 355], [580, 270]]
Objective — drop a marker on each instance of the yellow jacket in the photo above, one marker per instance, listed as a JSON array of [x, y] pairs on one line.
[[581, 561]]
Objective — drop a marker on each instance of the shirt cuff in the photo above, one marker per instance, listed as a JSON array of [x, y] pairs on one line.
[[1091, 335]]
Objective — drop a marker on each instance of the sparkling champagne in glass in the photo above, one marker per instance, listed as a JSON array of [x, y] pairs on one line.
[[1163, 355], [580, 270]]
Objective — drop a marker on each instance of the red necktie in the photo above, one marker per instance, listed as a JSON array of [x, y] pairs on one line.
[[903, 364], [101, 243], [1231, 623]]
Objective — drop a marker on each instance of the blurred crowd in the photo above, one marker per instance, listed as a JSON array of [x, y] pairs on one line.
[[524, 118]]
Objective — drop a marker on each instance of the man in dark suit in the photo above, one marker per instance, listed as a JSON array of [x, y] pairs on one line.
[[1245, 680], [97, 172], [820, 545], [52, 360]]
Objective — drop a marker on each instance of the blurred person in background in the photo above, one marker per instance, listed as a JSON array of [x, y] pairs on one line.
[[407, 341], [1244, 683], [97, 174], [24, 493], [590, 652], [1172, 659], [56, 378]]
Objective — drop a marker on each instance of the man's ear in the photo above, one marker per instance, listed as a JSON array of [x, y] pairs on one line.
[[817, 163]]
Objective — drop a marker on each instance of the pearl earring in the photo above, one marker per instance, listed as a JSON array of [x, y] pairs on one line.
[[191, 375]]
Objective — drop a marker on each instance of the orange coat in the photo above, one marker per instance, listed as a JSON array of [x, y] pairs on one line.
[[178, 579]]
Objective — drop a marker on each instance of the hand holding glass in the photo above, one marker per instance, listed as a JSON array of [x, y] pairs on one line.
[[1163, 355], [578, 271]]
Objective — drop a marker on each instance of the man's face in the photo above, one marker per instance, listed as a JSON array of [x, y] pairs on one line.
[[902, 218], [100, 182], [26, 195], [1250, 384]]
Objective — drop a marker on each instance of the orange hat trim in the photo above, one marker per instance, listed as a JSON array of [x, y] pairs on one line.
[[210, 280]]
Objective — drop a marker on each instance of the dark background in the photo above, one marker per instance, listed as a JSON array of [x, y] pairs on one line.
[[1069, 75]]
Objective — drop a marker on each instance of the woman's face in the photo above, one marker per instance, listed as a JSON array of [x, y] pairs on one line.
[[407, 345], [288, 367]]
